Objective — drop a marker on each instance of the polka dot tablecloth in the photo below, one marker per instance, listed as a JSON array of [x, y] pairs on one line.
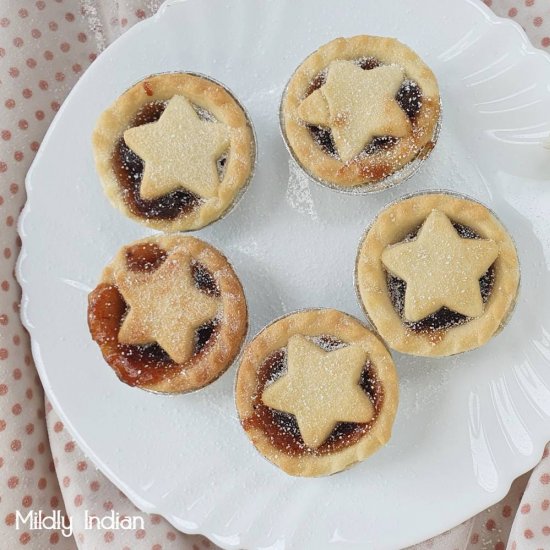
[[45, 45]]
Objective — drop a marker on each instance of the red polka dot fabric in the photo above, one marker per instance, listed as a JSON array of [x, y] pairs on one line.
[[45, 45], [532, 15]]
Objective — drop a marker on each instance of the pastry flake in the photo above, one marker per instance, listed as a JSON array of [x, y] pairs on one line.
[[179, 150], [357, 105], [320, 388], [441, 269]]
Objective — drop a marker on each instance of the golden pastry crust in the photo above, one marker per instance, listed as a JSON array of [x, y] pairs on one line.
[[317, 322], [206, 365], [204, 93], [391, 226], [370, 169]]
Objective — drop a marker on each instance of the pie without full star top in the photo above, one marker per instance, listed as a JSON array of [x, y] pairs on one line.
[[316, 391], [437, 274], [175, 151], [169, 314], [361, 112]]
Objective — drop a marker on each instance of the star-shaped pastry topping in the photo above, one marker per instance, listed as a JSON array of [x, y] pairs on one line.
[[357, 105], [441, 269], [179, 150], [165, 307], [320, 389]]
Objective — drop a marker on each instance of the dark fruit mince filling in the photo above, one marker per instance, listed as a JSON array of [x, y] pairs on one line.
[[440, 321], [144, 257], [282, 428], [141, 365], [128, 168], [409, 98]]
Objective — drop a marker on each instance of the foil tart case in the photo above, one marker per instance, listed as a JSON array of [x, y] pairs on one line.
[[452, 193], [395, 178], [242, 190]]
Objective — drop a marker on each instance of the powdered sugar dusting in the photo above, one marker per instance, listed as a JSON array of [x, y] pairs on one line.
[[298, 193]]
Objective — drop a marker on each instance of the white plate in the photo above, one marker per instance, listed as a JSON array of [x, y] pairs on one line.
[[466, 427]]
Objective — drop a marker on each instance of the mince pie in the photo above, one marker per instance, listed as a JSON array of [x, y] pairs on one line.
[[169, 314], [316, 392], [437, 274], [175, 151], [361, 113]]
